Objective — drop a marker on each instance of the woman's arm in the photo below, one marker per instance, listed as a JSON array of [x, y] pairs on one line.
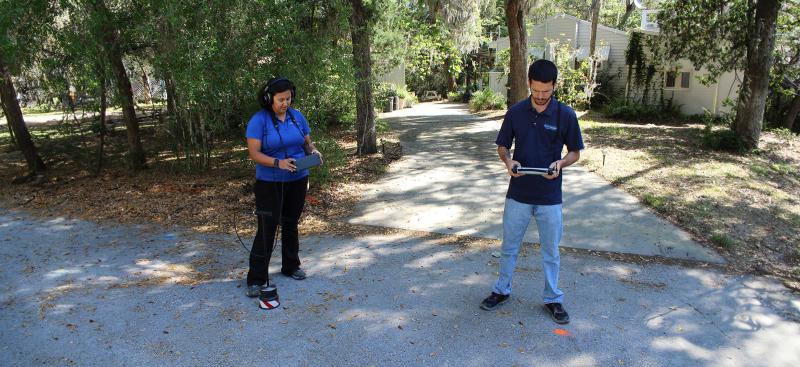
[[254, 150], [309, 147]]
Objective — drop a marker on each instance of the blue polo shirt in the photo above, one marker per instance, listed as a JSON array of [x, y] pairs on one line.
[[538, 140], [284, 142]]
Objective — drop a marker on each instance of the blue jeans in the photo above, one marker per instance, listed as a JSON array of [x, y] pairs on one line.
[[516, 218]]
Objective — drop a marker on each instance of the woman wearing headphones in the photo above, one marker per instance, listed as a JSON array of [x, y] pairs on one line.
[[277, 135]]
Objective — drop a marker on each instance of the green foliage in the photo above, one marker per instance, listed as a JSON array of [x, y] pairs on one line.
[[572, 81], [382, 92], [407, 95], [632, 111], [722, 240], [654, 201], [455, 96], [784, 133], [644, 57], [486, 99], [722, 139], [713, 34], [403, 93], [431, 55], [24, 26], [381, 126], [392, 26], [220, 55], [333, 155]]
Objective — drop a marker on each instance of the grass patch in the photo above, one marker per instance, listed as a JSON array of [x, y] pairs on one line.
[[761, 169], [721, 239], [713, 192], [784, 168], [791, 218], [744, 203], [654, 201]]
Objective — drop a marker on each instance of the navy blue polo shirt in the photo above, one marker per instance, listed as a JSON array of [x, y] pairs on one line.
[[286, 141], [538, 140]]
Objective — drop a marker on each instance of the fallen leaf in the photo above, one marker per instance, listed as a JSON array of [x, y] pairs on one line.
[[561, 332]]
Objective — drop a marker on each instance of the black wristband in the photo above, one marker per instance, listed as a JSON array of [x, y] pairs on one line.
[[276, 163]]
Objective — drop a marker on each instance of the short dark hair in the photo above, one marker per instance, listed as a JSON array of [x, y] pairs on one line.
[[273, 86], [543, 71]]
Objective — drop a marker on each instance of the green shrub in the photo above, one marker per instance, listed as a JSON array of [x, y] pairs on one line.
[[383, 91], [722, 139], [402, 92], [455, 96], [381, 126], [721, 239], [654, 201], [333, 156], [784, 133], [632, 111], [408, 96], [486, 100]]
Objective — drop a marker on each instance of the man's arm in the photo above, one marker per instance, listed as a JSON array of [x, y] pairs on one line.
[[567, 161], [505, 156]]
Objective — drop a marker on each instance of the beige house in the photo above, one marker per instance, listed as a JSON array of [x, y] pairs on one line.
[[680, 85]]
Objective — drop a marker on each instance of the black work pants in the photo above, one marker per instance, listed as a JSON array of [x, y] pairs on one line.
[[278, 203]]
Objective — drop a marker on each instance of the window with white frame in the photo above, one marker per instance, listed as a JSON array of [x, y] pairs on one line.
[[677, 79]]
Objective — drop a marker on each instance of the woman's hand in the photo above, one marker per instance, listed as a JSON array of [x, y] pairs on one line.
[[319, 155], [287, 165]]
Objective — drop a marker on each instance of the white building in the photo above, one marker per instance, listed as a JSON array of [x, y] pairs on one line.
[[680, 85]]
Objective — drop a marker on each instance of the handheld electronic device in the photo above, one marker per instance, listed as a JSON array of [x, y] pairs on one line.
[[532, 170], [311, 160]]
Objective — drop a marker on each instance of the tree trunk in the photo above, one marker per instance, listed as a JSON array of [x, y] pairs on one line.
[[793, 111], [518, 75], [596, 4], [136, 156], [753, 95], [102, 130], [8, 99], [451, 80], [148, 97], [365, 112], [629, 6]]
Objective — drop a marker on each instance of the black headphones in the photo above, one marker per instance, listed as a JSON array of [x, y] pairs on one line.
[[268, 95]]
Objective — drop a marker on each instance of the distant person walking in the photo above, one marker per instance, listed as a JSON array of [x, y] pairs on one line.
[[538, 127], [277, 135]]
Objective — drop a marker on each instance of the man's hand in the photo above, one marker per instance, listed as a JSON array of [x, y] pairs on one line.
[[510, 163], [556, 167]]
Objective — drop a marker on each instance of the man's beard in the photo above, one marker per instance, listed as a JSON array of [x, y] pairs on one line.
[[541, 102]]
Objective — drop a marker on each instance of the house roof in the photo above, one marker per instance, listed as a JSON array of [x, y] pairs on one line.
[[599, 26], [495, 43]]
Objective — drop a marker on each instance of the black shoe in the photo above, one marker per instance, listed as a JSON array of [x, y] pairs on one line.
[[253, 290], [494, 300], [298, 274], [557, 312]]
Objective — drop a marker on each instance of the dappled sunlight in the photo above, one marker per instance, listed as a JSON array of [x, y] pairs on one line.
[[450, 181], [431, 259], [60, 273], [773, 348], [707, 279], [680, 344]]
